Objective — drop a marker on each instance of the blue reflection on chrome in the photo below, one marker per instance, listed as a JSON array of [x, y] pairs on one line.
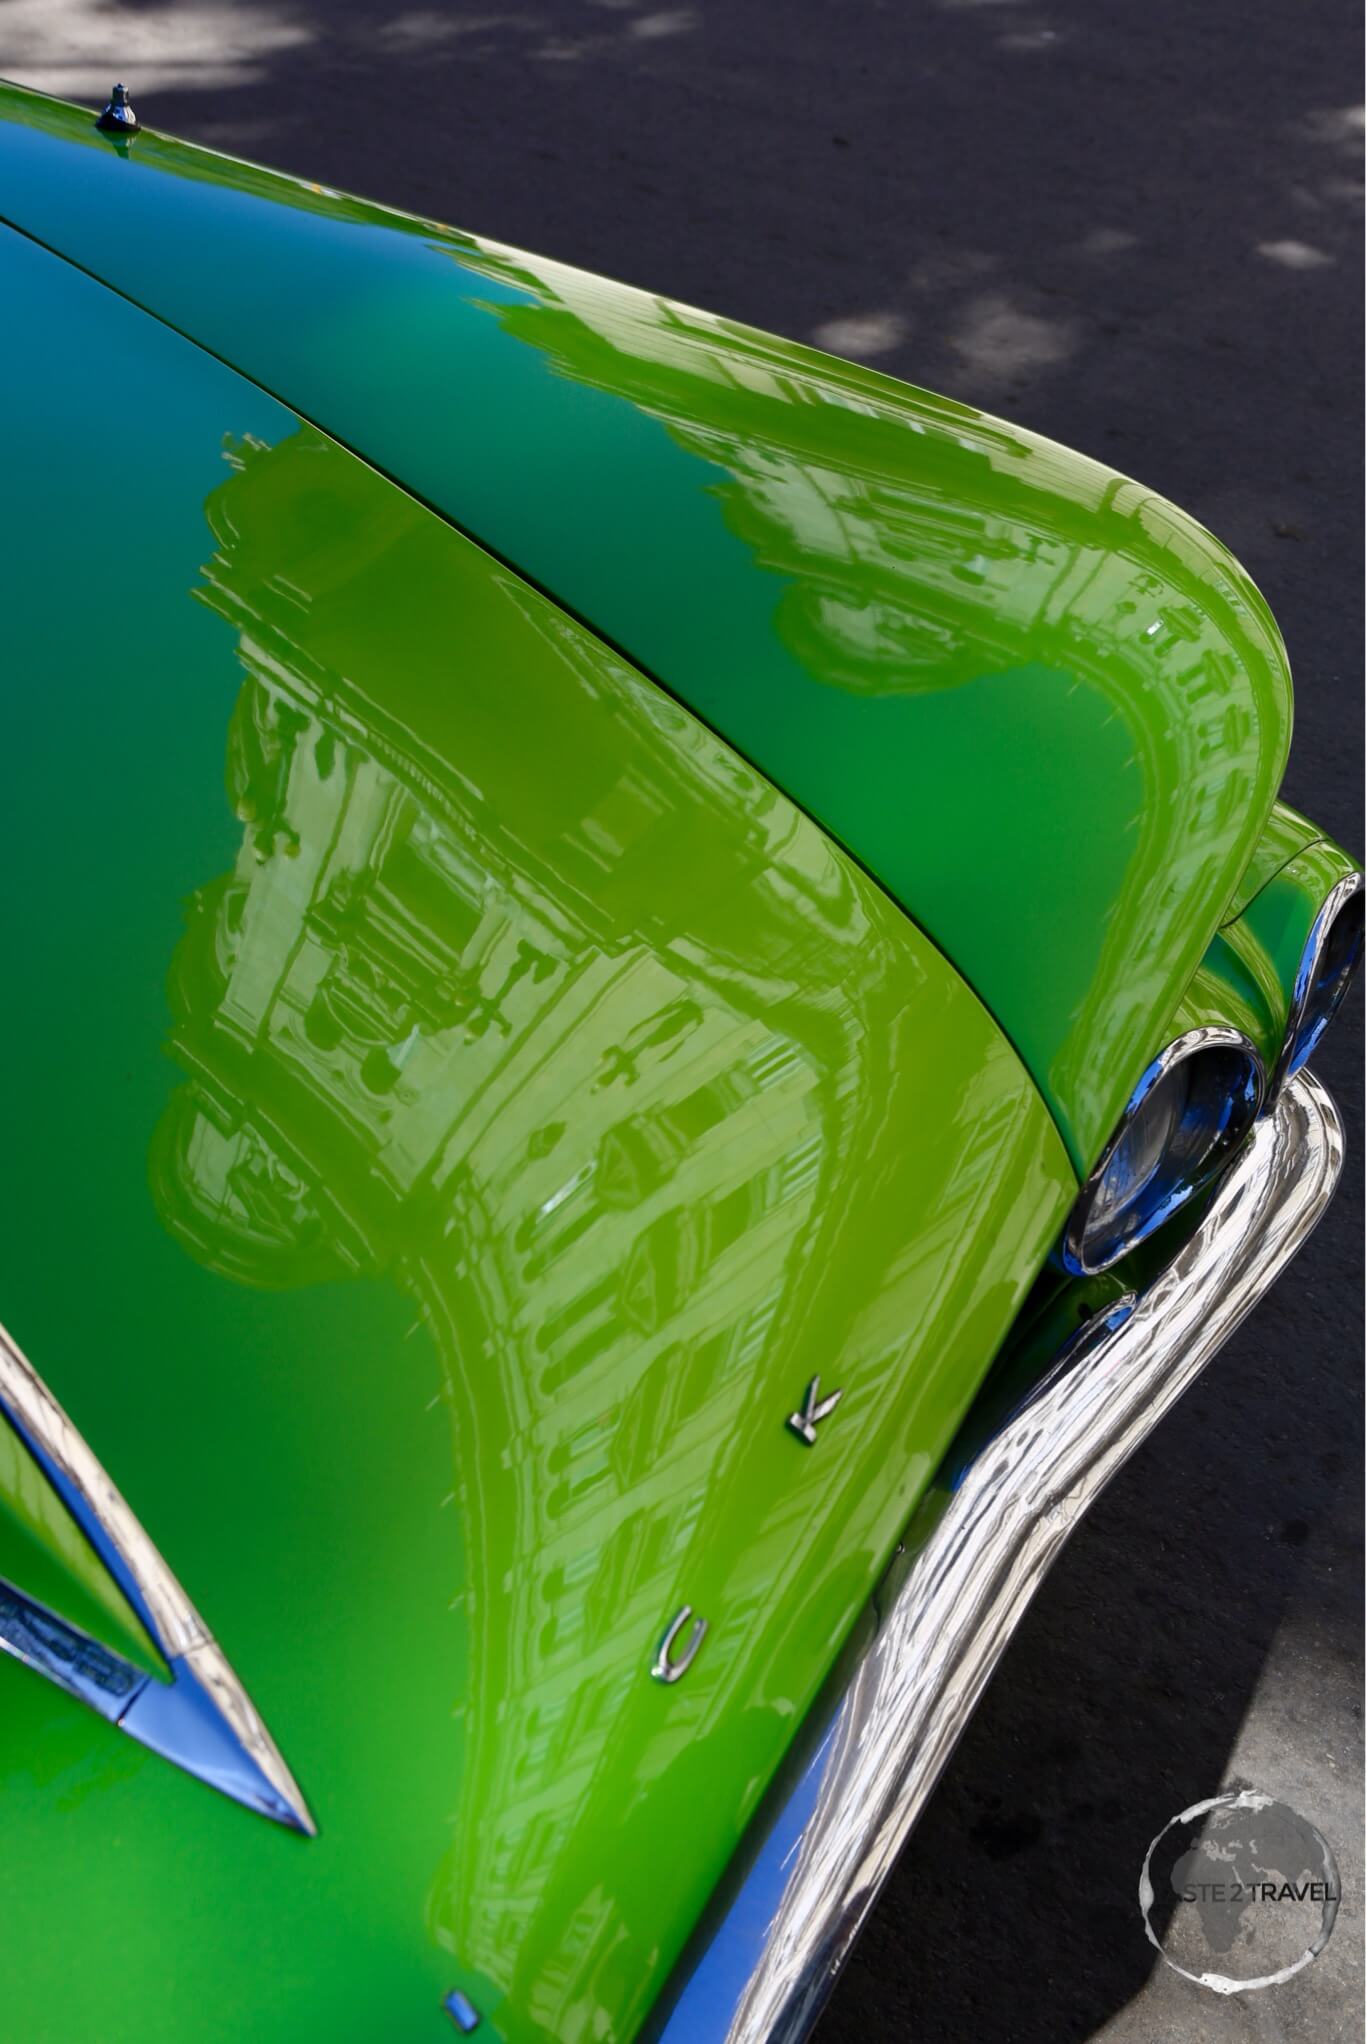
[[706, 2005], [1326, 969], [70, 1658], [1211, 1084], [178, 1719], [182, 1722]]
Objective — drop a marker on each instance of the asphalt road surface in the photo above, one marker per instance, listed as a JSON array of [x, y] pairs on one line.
[[1132, 227]]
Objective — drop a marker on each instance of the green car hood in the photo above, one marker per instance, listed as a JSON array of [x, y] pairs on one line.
[[454, 1107], [1043, 708]]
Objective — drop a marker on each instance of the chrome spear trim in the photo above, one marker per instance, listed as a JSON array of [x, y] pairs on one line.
[[202, 1719], [971, 1562]]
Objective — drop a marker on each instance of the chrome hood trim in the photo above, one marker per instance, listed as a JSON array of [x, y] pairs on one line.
[[202, 1718], [961, 1584]]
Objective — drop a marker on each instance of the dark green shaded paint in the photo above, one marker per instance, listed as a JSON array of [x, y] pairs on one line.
[[1285, 836]]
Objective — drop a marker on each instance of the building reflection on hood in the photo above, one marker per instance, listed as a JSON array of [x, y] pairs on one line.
[[525, 994], [1062, 692]]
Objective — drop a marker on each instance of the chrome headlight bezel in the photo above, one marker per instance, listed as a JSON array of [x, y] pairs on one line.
[[1313, 1007], [1240, 1087]]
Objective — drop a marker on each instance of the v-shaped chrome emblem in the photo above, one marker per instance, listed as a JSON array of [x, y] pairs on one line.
[[202, 1718]]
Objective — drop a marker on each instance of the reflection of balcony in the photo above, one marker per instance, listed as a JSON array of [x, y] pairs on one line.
[[590, 1044]]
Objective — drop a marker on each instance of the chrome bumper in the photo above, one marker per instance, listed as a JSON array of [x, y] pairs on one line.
[[953, 1598]]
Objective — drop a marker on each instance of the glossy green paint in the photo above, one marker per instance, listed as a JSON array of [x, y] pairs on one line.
[[1237, 986], [453, 1106], [1285, 835], [1042, 706]]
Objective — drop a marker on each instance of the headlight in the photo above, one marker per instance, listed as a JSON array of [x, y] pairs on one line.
[[1185, 1119], [1329, 959]]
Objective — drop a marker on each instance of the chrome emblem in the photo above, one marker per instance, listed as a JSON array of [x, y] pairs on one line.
[[667, 1668], [816, 1408], [201, 1719]]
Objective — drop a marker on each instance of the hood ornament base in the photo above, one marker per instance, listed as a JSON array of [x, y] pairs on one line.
[[202, 1719], [118, 117]]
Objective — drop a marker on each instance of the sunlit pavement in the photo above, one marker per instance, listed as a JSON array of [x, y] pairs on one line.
[[1134, 229]]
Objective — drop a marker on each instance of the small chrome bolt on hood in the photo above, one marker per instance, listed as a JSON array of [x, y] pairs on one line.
[[118, 117]]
